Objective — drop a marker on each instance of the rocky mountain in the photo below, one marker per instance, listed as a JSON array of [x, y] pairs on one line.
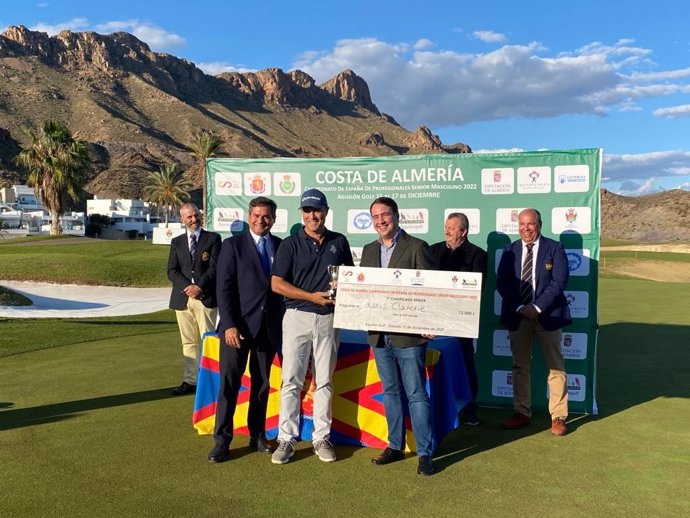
[[659, 217], [139, 108]]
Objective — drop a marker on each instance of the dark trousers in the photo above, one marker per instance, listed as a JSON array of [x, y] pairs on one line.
[[468, 356], [233, 362]]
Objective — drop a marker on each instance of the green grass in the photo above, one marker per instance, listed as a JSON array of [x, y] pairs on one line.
[[24, 335], [94, 262], [88, 429]]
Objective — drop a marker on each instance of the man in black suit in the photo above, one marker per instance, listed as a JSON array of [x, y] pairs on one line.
[[457, 254], [400, 358], [192, 271], [249, 327]]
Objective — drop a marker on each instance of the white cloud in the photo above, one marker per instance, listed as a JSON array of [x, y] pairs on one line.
[[423, 44], [498, 150], [637, 167], [75, 24], [489, 36], [447, 88], [157, 38], [218, 67], [629, 188], [674, 111]]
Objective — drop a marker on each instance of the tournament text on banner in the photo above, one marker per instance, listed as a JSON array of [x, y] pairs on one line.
[[408, 301]]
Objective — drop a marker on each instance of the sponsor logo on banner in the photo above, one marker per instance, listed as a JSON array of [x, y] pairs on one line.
[[571, 219], [578, 261], [574, 346], [281, 224], [507, 220], [501, 343], [257, 184], [502, 384], [577, 384], [228, 219], [287, 184], [577, 387], [473, 216], [356, 254], [228, 184], [498, 180], [414, 221], [359, 222], [571, 178], [578, 302], [534, 180]]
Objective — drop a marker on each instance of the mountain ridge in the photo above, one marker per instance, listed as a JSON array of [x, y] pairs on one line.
[[138, 109]]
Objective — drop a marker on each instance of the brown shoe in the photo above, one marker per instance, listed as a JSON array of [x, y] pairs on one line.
[[516, 421], [558, 426]]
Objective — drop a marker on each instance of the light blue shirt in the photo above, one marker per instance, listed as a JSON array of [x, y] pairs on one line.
[[387, 251]]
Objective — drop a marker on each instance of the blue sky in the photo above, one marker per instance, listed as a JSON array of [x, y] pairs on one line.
[[497, 75]]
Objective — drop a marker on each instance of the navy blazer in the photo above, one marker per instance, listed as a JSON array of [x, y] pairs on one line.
[[409, 252], [203, 270], [244, 292], [551, 275]]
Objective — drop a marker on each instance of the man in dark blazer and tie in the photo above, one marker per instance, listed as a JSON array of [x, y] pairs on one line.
[[250, 326], [400, 358], [531, 279], [457, 254], [192, 271]]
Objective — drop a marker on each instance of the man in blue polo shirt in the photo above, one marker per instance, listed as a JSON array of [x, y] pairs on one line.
[[300, 274]]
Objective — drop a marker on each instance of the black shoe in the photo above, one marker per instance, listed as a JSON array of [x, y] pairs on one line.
[[426, 466], [387, 456], [260, 444], [219, 454], [183, 389]]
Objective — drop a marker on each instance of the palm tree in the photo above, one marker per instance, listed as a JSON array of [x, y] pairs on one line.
[[56, 165], [168, 188], [205, 144]]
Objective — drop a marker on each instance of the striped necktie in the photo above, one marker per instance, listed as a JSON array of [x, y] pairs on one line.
[[526, 277], [192, 246]]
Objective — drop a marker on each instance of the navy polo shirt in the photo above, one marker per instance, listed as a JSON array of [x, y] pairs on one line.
[[303, 262]]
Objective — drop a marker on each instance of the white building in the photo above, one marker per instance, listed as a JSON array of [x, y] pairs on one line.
[[126, 215], [20, 197], [21, 213]]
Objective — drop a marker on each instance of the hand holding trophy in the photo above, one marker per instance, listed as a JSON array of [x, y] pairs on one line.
[[333, 279]]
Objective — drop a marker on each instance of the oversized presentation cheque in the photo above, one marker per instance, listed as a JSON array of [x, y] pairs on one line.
[[408, 301]]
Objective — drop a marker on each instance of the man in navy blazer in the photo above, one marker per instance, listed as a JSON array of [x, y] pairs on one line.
[[531, 279], [192, 271], [249, 326]]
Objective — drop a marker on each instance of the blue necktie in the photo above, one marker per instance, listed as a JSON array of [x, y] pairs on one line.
[[263, 256]]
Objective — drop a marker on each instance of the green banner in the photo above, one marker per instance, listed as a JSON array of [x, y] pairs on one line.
[[490, 189]]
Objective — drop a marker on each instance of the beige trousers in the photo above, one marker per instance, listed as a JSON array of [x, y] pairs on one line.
[[193, 322], [521, 345]]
